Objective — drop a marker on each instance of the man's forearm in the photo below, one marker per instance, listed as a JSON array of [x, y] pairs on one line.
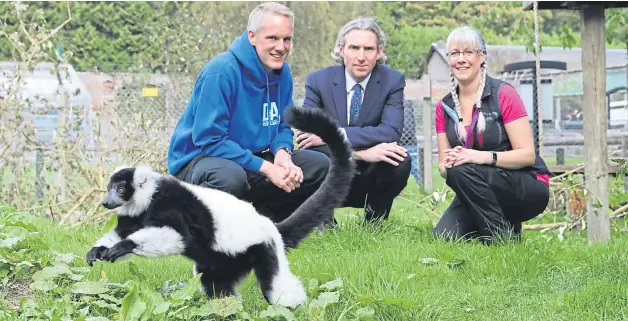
[[360, 137]]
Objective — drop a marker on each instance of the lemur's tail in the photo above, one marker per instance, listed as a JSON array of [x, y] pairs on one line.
[[319, 207]]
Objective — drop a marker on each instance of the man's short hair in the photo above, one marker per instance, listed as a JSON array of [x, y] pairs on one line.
[[360, 23], [257, 15]]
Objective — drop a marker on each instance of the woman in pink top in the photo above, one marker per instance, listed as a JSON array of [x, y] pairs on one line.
[[485, 149]]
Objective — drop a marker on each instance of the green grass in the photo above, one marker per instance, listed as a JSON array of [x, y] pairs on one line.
[[541, 278]]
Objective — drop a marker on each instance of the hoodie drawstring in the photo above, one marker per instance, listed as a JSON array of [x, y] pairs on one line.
[[270, 106]]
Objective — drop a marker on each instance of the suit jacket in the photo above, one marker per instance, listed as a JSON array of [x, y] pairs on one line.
[[381, 113]]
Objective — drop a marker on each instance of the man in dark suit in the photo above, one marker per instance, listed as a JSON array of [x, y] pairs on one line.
[[366, 98]]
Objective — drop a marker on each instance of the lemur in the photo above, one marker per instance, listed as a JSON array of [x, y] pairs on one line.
[[226, 237]]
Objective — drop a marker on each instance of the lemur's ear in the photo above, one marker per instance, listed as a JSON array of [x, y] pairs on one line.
[[143, 174]]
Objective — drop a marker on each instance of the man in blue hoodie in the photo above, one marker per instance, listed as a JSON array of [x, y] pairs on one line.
[[231, 135]]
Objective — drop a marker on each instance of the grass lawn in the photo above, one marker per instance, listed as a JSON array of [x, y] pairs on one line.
[[395, 273]]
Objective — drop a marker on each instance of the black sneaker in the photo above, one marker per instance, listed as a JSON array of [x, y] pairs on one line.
[[372, 216]]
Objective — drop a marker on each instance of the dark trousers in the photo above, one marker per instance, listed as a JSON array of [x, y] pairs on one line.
[[490, 202], [375, 186], [268, 199]]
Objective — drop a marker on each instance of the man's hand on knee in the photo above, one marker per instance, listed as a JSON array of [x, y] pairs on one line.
[[307, 140], [278, 176], [295, 175], [390, 153]]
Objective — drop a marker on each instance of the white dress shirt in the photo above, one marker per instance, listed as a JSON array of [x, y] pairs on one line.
[[350, 82], [349, 86]]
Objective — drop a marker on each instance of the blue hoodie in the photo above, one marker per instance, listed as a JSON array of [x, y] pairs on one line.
[[228, 114]]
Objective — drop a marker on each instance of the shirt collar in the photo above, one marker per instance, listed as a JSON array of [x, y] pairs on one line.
[[350, 82]]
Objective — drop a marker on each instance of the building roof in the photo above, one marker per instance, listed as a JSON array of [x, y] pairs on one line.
[[500, 55]]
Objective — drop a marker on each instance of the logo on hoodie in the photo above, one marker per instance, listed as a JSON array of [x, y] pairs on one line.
[[270, 116]]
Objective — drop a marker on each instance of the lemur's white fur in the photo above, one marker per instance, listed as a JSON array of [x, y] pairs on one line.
[[237, 223], [157, 242], [108, 240], [145, 184]]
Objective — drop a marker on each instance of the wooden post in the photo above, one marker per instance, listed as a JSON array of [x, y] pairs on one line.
[[560, 156], [595, 121], [428, 129]]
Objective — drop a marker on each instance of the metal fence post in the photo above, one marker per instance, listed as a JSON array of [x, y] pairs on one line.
[[427, 144], [39, 180], [421, 165]]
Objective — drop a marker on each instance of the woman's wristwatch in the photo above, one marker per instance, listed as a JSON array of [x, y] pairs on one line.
[[494, 158]]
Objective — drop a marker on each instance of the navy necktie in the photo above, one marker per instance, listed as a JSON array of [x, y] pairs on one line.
[[356, 101]]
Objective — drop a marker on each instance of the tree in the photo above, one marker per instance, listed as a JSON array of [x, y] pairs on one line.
[[183, 36]]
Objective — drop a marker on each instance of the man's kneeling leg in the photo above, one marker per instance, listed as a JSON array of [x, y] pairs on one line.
[[217, 173], [386, 182]]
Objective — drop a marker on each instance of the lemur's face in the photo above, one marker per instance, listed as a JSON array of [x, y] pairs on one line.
[[120, 188]]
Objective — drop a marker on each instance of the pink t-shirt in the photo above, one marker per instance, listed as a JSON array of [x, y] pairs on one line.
[[512, 108]]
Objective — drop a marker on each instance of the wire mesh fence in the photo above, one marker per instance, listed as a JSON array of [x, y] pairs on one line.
[[412, 131], [161, 99]]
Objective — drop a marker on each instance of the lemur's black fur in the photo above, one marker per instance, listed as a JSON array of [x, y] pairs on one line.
[[225, 237]]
